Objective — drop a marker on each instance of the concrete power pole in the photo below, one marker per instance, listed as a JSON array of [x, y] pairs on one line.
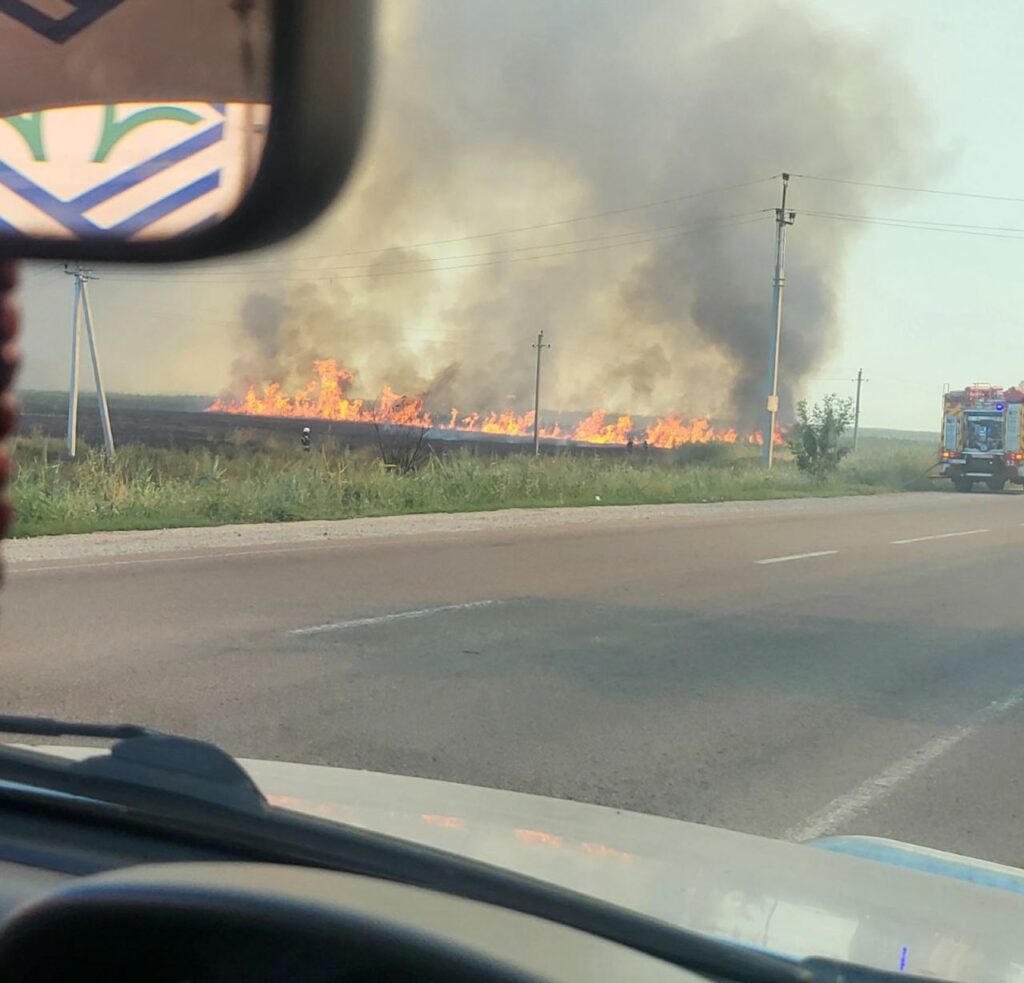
[[540, 346], [782, 220], [856, 412], [71, 441], [81, 305]]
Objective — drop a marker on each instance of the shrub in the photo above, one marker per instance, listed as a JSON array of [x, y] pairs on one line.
[[815, 438]]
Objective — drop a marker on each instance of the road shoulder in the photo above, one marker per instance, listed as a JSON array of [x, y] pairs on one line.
[[249, 536]]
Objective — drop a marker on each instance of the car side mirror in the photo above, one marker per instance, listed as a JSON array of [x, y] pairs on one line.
[[173, 130]]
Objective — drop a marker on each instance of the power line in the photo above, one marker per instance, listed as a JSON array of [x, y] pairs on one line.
[[166, 314], [920, 222], [230, 265], [40, 269], [907, 187], [276, 260], [683, 231], [413, 265], [907, 382], [983, 231]]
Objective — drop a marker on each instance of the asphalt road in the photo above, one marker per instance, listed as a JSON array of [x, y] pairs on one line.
[[854, 668]]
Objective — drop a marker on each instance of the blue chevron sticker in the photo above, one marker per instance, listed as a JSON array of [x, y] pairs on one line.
[[83, 14], [137, 170]]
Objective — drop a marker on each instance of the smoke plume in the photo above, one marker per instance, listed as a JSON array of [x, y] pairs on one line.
[[492, 116]]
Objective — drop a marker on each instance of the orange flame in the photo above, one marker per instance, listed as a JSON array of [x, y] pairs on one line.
[[326, 397], [445, 822], [538, 836], [594, 429]]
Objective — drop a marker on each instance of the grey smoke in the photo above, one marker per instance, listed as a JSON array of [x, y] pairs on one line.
[[493, 115]]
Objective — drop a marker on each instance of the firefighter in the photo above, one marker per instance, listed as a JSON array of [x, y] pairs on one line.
[[307, 439]]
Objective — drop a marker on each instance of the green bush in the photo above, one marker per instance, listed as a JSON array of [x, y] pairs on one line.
[[815, 438]]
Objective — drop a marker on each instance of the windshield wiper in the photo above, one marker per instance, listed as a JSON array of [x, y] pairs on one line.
[[49, 727], [148, 759]]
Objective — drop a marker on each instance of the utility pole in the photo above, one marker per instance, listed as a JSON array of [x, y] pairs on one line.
[[782, 220], [71, 440], [81, 305], [856, 412], [540, 346]]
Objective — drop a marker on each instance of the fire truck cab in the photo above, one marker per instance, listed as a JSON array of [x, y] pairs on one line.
[[982, 438]]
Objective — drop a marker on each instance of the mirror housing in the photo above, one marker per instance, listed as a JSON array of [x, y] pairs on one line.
[[319, 77]]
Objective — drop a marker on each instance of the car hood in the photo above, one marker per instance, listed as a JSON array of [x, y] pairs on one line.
[[877, 902]]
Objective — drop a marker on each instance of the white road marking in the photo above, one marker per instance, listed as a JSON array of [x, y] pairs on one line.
[[14, 568], [383, 619], [941, 535], [796, 556], [844, 808]]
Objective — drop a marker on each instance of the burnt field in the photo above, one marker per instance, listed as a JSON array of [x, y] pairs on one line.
[[180, 422]]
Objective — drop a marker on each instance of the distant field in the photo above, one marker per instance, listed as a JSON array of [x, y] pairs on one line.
[[261, 478], [47, 401], [913, 436]]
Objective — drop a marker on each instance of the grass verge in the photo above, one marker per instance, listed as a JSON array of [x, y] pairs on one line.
[[147, 488]]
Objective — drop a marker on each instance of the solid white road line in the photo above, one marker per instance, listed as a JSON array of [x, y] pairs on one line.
[[796, 556], [841, 810], [383, 619], [14, 569], [941, 535]]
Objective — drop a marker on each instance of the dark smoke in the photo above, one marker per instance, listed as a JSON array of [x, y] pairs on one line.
[[493, 116]]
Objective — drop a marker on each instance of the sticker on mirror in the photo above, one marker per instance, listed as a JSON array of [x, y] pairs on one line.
[[127, 171], [61, 24]]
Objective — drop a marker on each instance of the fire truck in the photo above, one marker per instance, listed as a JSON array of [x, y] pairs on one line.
[[982, 438]]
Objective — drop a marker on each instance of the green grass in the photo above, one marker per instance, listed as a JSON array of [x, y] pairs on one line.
[[158, 488]]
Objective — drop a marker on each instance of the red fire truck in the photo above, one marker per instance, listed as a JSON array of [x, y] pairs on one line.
[[982, 438]]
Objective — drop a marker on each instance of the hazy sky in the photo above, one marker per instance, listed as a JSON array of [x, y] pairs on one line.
[[920, 309], [916, 309]]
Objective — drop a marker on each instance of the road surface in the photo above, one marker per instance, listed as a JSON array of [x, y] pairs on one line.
[[846, 666]]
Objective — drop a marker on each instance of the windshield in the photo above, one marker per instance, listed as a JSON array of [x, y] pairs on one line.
[[984, 432], [603, 444]]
